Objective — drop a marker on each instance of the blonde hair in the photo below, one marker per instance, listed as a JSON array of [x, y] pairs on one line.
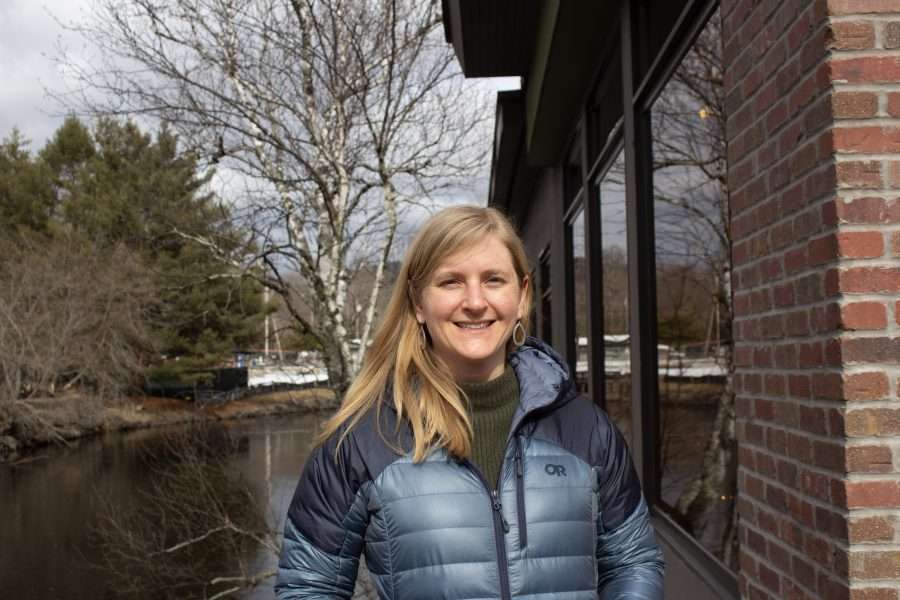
[[424, 392]]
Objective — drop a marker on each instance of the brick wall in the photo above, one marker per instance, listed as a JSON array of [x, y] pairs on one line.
[[813, 100]]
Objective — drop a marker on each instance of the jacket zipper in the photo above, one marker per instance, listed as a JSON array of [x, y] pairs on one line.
[[520, 495], [501, 527]]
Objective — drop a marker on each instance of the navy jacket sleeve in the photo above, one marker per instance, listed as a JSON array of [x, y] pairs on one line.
[[629, 561], [325, 526]]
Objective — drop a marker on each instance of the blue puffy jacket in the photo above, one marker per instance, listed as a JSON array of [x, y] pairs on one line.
[[565, 520]]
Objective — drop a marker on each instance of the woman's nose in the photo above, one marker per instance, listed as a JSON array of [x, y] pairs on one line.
[[474, 298]]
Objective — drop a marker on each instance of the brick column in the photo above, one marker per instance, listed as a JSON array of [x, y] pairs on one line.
[[813, 100]]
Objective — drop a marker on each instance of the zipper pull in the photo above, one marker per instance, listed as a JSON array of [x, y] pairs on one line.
[[495, 500]]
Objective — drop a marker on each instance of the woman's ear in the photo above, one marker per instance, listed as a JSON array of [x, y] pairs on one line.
[[420, 316], [523, 298]]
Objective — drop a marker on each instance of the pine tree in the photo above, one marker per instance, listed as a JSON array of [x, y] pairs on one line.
[[25, 188], [129, 188]]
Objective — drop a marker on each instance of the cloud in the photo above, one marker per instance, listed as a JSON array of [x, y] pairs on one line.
[[29, 33]]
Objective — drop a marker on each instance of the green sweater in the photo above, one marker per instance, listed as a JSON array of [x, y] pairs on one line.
[[492, 405]]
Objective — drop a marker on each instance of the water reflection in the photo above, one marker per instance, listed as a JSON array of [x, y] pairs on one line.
[[51, 506]]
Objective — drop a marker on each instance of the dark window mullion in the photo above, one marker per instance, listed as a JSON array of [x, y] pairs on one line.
[[641, 275]]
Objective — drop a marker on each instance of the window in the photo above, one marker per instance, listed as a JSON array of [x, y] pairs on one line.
[[696, 450], [579, 302], [614, 259]]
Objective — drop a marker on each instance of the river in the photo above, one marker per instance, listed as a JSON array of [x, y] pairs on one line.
[[52, 506]]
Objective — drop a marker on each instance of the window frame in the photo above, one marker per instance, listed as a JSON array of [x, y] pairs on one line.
[[638, 103]]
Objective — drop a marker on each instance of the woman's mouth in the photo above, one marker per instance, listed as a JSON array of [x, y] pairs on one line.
[[473, 325]]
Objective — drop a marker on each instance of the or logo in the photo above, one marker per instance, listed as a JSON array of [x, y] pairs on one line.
[[558, 470]]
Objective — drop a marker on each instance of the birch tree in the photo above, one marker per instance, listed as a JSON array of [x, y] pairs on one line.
[[693, 231], [336, 115]]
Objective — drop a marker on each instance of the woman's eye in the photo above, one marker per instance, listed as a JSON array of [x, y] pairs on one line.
[[448, 283], [496, 280]]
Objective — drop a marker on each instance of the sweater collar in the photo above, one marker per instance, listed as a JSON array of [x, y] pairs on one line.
[[491, 394]]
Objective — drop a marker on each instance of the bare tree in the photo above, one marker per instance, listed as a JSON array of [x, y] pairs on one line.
[[336, 114], [197, 519], [199, 531], [71, 318], [693, 232]]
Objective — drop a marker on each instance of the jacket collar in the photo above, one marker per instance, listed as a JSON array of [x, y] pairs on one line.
[[544, 378]]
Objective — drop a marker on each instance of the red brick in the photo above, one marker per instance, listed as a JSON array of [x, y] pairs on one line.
[[852, 35], [795, 260], [818, 549], [822, 249], [854, 105], [895, 244], [827, 386], [869, 279], [815, 484], [776, 498], [871, 529], [799, 386], [859, 174], [875, 564], [769, 578], [823, 319], [873, 422], [861, 210], [829, 456], [894, 173], [893, 104], [855, 7], [892, 211], [866, 386], [869, 69], [867, 139], [869, 459], [756, 542], [873, 494], [776, 441], [891, 35], [864, 315], [874, 593], [872, 350], [860, 244]]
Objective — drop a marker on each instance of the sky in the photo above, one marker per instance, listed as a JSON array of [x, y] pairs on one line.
[[29, 35]]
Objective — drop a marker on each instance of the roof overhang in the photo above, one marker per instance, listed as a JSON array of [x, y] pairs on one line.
[[511, 177], [571, 38], [491, 38], [555, 46]]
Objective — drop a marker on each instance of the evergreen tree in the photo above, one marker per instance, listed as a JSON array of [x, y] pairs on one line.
[[25, 188], [126, 187]]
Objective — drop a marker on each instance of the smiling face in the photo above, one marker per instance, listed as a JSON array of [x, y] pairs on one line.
[[470, 305]]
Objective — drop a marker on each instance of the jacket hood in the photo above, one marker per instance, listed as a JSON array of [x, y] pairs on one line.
[[544, 378]]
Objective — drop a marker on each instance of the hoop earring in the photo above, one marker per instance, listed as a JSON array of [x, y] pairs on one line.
[[423, 337], [519, 328]]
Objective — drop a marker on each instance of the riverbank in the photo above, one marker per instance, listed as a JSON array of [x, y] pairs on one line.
[[73, 417]]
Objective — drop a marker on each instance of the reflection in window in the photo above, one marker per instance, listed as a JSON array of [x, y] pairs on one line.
[[616, 358], [697, 449], [580, 302]]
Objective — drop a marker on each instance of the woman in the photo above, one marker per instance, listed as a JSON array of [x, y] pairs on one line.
[[462, 460]]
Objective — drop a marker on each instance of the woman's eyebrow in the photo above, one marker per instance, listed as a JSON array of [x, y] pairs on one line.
[[460, 275]]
